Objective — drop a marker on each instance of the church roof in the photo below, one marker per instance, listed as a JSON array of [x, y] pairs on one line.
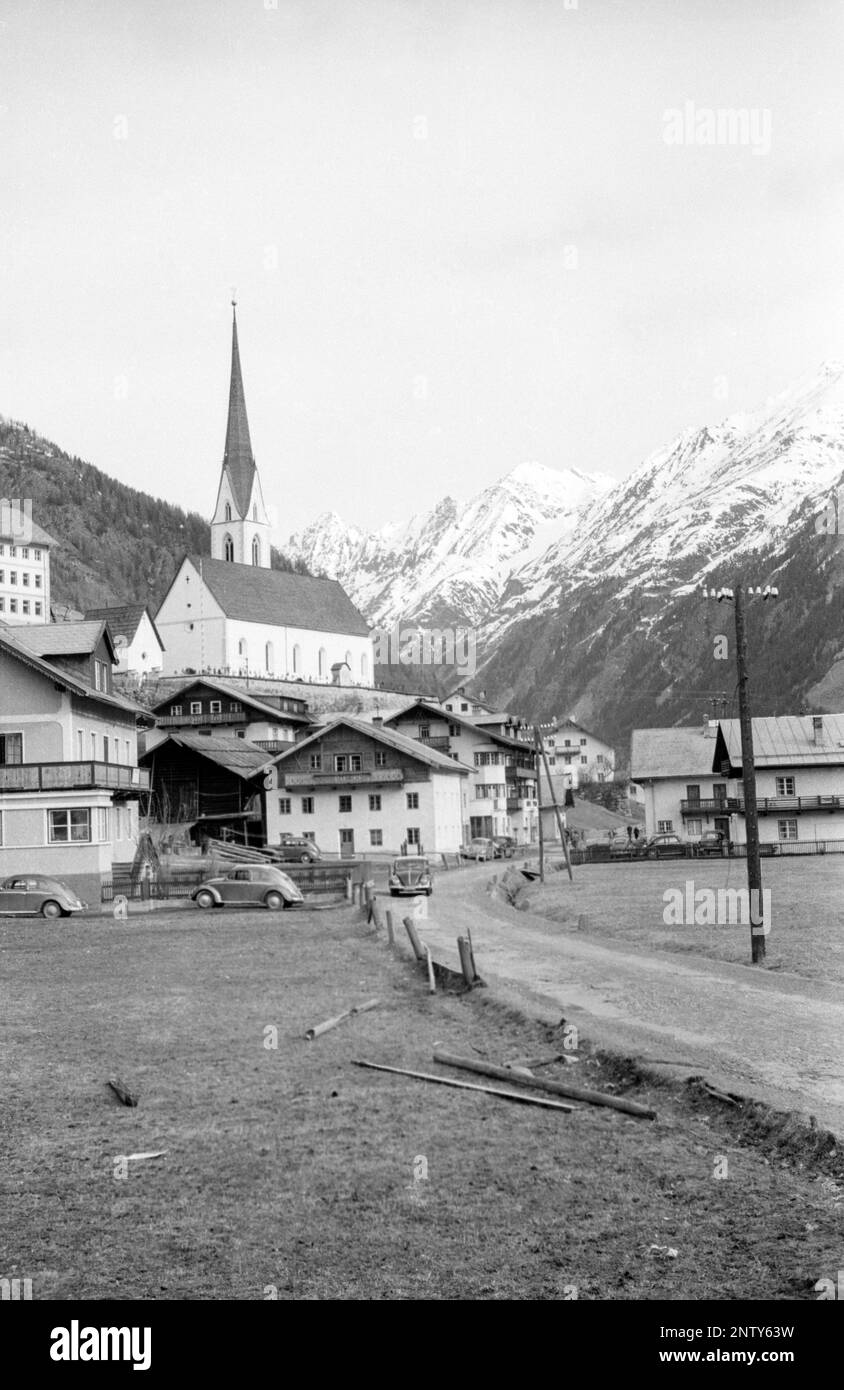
[[238, 460], [253, 594]]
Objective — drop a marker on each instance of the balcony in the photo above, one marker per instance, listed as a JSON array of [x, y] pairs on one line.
[[514, 804], [371, 775], [53, 777], [439, 744], [273, 745], [169, 721], [766, 805]]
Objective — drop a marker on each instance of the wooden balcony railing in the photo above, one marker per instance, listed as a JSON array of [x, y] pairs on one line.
[[168, 721], [50, 777], [766, 805]]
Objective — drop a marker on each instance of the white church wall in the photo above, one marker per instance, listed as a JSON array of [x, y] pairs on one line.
[[294, 651]]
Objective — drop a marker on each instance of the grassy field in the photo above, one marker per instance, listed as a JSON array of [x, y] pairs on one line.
[[289, 1172], [625, 901]]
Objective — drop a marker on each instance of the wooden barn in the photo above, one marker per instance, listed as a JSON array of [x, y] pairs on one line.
[[214, 780]]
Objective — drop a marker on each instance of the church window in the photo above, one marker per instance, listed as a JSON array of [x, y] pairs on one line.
[[297, 658], [269, 657], [364, 667], [349, 660], [242, 649], [228, 548], [228, 512], [254, 511], [323, 661], [256, 551]]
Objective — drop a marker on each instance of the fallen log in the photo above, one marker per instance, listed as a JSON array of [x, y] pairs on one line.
[[467, 1086], [557, 1088], [320, 1028], [122, 1092]]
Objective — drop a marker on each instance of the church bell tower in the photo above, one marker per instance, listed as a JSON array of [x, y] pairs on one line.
[[240, 528]]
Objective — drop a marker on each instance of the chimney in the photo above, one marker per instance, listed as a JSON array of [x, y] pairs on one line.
[[817, 728], [378, 720], [710, 727]]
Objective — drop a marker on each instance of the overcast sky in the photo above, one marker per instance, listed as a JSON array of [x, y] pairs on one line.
[[459, 237]]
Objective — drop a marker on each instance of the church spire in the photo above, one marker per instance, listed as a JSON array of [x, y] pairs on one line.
[[238, 460]]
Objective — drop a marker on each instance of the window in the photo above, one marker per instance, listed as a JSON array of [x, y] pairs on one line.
[[25, 605], [196, 706], [93, 744], [309, 835], [38, 610], [376, 838], [2, 605], [354, 762], [38, 581], [2, 576], [70, 826], [364, 667], [105, 748], [787, 828], [339, 762], [285, 805], [424, 731], [25, 579], [454, 730], [215, 706], [375, 803], [413, 834], [315, 761], [80, 745], [413, 801], [664, 827], [12, 551], [37, 554], [693, 793], [694, 827], [13, 605], [269, 657], [256, 551], [345, 806], [380, 758], [11, 749], [240, 733], [228, 548], [323, 661], [297, 658], [785, 787], [235, 707], [128, 753], [254, 511], [101, 824], [464, 708], [175, 711], [227, 512], [567, 743], [583, 743], [307, 805], [13, 576], [243, 648]]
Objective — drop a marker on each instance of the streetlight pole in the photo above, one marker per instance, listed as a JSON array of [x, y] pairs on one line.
[[748, 766]]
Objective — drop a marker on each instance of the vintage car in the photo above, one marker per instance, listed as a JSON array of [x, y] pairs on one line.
[[482, 847], [296, 849], [505, 846], [712, 842], [412, 875], [665, 846], [249, 885], [31, 894]]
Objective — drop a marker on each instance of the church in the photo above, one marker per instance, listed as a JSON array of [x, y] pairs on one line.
[[233, 614]]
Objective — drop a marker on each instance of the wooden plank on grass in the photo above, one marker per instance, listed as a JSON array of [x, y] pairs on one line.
[[466, 1086], [122, 1092], [557, 1088]]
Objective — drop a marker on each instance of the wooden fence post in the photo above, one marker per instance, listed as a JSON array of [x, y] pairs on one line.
[[391, 939], [414, 938]]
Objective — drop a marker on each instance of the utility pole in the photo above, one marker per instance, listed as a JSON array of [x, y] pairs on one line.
[[748, 766]]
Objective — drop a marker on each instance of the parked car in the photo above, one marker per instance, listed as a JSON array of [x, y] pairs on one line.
[[482, 847], [411, 875], [712, 842], [30, 894], [249, 885], [505, 846], [663, 847], [296, 849]]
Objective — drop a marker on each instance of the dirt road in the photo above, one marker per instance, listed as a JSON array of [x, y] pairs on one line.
[[777, 1037]]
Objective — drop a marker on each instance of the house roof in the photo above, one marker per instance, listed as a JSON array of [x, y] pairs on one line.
[[63, 639], [278, 598], [380, 734], [581, 728], [34, 534], [274, 713], [449, 717], [236, 755], [785, 740], [676, 752], [461, 694], [21, 651], [124, 619]]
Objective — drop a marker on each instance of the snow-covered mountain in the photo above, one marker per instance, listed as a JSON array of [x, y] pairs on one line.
[[585, 594], [452, 563]]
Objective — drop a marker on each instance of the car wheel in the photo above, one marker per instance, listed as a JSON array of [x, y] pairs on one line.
[[394, 892], [51, 908], [304, 859], [274, 901], [429, 891], [288, 902], [204, 899]]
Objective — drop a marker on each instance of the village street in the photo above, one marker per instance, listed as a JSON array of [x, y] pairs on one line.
[[770, 1035]]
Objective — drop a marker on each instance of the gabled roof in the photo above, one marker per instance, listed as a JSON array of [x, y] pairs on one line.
[[236, 755], [65, 639], [399, 742], [124, 619], [236, 692], [565, 724], [449, 717], [277, 598], [34, 534], [62, 678], [238, 460], [784, 741], [461, 694], [671, 753]]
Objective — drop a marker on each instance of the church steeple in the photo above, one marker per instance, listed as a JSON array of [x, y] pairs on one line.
[[240, 529]]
